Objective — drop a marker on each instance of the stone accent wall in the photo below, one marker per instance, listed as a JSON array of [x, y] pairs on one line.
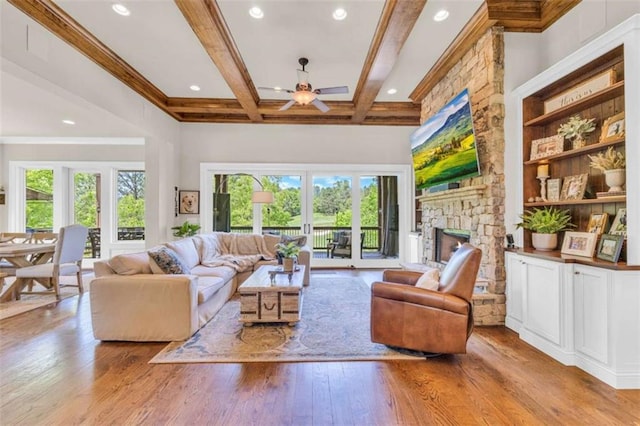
[[478, 206]]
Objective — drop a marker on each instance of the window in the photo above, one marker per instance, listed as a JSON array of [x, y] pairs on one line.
[[39, 199], [130, 204]]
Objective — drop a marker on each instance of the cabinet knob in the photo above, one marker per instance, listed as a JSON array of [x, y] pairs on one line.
[[576, 273]]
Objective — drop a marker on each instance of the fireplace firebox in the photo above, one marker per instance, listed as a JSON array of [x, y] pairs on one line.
[[447, 242]]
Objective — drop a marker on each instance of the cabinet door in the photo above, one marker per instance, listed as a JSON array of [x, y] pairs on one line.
[[591, 302], [543, 299], [515, 276]]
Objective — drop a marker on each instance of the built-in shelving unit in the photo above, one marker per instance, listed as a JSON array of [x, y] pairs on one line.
[[537, 124]]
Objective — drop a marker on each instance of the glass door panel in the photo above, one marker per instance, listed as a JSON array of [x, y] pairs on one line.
[[379, 220], [130, 205], [86, 209], [284, 215], [331, 219]]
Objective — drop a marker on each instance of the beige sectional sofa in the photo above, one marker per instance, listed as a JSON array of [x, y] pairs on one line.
[[133, 299]]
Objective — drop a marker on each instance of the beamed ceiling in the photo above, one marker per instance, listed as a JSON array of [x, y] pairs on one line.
[[164, 46]]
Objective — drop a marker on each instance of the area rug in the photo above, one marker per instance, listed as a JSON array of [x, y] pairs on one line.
[[334, 326]]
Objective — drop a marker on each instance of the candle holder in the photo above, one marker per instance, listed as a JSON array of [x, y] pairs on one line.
[[543, 187]]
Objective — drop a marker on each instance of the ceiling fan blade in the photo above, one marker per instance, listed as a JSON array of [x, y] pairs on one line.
[[320, 105], [276, 89], [332, 90], [287, 105], [303, 77]]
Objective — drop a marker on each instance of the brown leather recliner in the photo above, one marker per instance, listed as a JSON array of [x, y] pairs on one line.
[[410, 317]]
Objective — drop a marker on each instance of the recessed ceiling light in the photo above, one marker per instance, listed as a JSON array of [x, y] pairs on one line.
[[277, 88], [441, 15], [195, 88], [256, 12], [69, 122], [121, 9], [339, 14], [392, 91]]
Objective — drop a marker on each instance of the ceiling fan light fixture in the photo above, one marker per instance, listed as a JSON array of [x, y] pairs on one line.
[[441, 15], [303, 97], [339, 14], [256, 13]]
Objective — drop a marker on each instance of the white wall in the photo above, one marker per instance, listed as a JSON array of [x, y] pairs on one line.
[[527, 55], [297, 144]]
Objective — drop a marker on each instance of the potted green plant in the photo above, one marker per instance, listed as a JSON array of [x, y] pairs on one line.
[[613, 164], [186, 229], [576, 128], [289, 253], [545, 224]]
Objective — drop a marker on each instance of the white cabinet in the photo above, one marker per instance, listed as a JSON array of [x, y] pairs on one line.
[[515, 267], [538, 304], [580, 315], [592, 287]]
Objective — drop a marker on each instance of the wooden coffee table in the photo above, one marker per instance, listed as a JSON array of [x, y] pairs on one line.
[[263, 299]]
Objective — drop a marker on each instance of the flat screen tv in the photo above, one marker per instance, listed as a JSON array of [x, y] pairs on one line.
[[444, 147]]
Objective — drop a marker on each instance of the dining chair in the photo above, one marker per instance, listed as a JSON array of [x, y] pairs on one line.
[[67, 261]]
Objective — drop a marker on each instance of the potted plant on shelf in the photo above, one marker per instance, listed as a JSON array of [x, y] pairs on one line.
[[186, 229], [576, 128], [613, 164], [545, 224], [289, 254]]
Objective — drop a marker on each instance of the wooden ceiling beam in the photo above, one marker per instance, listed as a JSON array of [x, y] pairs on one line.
[[207, 22], [56, 20], [396, 22]]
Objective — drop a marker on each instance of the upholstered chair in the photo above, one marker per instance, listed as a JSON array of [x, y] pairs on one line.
[[432, 321]]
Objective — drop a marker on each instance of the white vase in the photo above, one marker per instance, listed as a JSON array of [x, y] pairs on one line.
[[544, 242], [615, 179]]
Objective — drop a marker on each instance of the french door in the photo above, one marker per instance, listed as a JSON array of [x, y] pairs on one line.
[[352, 215]]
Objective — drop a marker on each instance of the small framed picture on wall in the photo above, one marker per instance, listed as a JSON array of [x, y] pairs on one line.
[[189, 202]]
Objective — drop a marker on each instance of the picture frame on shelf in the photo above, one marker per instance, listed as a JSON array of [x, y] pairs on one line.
[[573, 187], [189, 202], [613, 128], [579, 243], [610, 247], [619, 225], [546, 147], [553, 189], [597, 223]]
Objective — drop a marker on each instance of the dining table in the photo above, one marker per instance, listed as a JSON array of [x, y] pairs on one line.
[[22, 255]]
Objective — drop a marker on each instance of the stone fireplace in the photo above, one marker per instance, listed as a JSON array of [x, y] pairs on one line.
[[477, 207]]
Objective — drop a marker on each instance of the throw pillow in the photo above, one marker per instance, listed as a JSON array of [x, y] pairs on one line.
[[430, 280], [300, 240], [168, 261]]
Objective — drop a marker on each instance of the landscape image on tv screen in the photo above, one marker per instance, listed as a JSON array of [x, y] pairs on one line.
[[444, 147]]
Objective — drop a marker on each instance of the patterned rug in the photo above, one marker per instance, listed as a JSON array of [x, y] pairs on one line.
[[334, 327]]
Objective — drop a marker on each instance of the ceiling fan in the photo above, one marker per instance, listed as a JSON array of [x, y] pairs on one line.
[[304, 93]]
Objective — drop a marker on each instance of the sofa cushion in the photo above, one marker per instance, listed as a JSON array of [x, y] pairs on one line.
[[430, 280], [168, 261], [130, 264], [208, 286], [186, 249], [208, 245], [224, 272]]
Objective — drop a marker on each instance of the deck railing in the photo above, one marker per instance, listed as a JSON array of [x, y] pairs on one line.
[[322, 235]]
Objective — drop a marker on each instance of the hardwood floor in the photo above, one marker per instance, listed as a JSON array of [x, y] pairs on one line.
[[52, 371]]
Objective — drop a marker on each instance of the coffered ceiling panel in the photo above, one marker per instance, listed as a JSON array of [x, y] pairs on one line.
[[156, 40]]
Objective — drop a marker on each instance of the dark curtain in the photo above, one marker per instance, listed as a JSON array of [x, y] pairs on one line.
[[389, 203]]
